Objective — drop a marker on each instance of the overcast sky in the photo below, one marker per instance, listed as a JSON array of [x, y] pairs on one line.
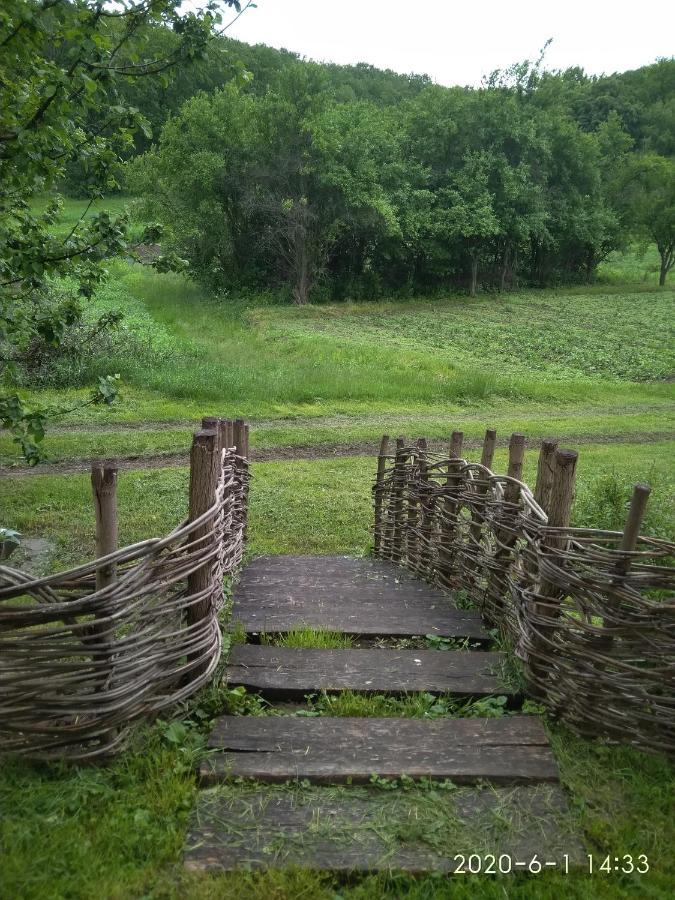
[[459, 41]]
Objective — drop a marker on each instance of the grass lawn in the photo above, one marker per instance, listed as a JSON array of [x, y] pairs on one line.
[[573, 363]]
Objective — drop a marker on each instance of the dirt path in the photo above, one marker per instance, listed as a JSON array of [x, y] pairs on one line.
[[385, 419], [308, 452]]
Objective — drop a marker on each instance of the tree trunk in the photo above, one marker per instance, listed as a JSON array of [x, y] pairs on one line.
[[664, 271], [505, 269], [474, 275], [302, 276]]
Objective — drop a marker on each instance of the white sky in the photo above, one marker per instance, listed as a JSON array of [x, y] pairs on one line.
[[459, 41]]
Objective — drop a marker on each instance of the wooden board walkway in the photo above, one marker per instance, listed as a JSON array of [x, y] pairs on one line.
[[289, 672], [291, 789], [366, 829], [505, 750], [278, 594]]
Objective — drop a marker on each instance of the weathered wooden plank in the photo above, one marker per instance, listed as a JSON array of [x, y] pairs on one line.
[[508, 750], [354, 596], [365, 829], [286, 671]]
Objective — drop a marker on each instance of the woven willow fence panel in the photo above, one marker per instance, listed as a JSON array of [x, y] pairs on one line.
[[594, 626], [79, 665]]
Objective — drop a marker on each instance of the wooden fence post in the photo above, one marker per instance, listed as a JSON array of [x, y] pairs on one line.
[[398, 493], [542, 489], [505, 534], [414, 490], [631, 530], [456, 442], [547, 604], [228, 427], [204, 472], [473, 572], [448, 549], [104, 489], [489, 444], [221, 428], [238, 437], [379, 492]]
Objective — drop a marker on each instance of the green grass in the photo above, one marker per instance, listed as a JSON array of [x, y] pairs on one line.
[[312, 638], [564, 335], [579, 423], [73, 210], [183, 353], [637, 265], [309, 506]]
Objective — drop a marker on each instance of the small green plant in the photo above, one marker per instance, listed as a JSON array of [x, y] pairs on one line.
[[310, 638], [436, 642], [406, 783], [422, 705], [463, 600], [237, 633], [237, 701], [9, 541]]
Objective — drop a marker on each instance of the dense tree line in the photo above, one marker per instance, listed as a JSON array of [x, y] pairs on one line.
[[328, 181]]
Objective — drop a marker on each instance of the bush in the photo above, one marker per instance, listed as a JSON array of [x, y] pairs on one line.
[[605, 502]]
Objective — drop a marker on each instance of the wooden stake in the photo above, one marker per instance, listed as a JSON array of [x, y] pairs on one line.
[[516, 457], [506, 535], [481, 489], [210, 423], [489, 444], [447, 549], [203, 483], [414, 496], [238, 437], [398, 492], [631, 530], [562, 491], [542, 490], [379, 498], [104, 488], [229, 433], [549, 596]]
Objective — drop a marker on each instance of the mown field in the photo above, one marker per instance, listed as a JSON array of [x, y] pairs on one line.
[[590, 365]]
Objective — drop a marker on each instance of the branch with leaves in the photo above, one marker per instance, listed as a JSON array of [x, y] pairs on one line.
[[63, 61]]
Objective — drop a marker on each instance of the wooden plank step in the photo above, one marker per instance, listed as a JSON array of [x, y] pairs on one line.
[[504, 750], [285, 671], [277, 594], [365, 829]]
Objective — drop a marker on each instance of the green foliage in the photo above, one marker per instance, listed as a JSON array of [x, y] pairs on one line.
[[414, 706], [605, 503], [60, 69], [316, 191], [647, 184]]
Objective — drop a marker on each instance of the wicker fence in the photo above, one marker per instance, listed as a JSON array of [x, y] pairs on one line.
[[86, 653], [590, 614]]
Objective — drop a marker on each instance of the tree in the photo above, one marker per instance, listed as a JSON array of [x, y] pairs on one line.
[[648, 184], [61, 63]]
